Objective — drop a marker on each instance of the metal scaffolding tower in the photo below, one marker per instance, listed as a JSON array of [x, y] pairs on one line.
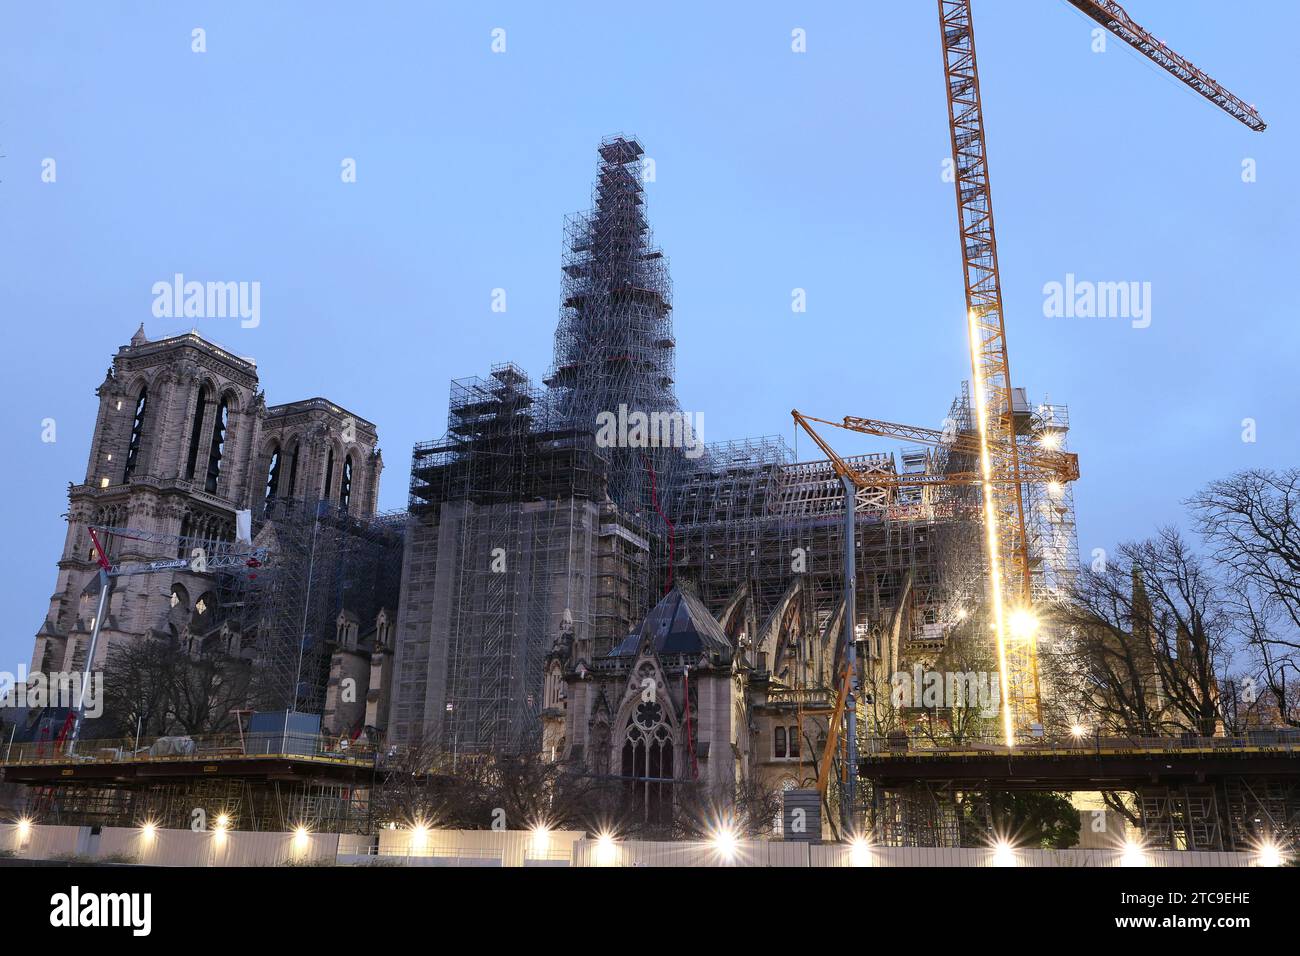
[[614, 344]]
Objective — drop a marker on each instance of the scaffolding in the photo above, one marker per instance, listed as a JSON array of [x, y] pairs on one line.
[[326, 561], [512, 539], [614, 343], [523, 522], [247, 804], [752, 517], [1049, 512]]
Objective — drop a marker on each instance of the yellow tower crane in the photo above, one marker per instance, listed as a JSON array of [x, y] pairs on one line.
[[1004, 464]]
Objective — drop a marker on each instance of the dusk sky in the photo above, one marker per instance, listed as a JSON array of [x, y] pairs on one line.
[[775, 171]]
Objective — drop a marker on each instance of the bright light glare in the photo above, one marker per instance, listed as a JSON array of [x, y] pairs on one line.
[[606, 850], [24, 827], [1269, 854], [724, 842], [223, 822], [1078, 730], [148, 830], [1023, 624], [1050, 440], [859, 852], [300, 837], [1133, 854], [541, 837], [1004, 854], [419, 836], [991, 532]]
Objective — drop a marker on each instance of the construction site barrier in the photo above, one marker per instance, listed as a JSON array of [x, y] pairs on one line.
[[523, 848]]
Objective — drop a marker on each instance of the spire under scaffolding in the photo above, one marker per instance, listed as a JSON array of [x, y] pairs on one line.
[[614, 343]]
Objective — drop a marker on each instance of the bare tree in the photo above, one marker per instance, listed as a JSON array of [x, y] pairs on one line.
[[423, 784], [156, 686], [747, 809], [967, 665], [138, 676], [1251, 520], [206, 690], [1153, 632]]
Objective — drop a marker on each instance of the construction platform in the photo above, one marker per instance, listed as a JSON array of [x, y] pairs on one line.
[[1084, 764], [1187, 793], [356, 770], [262, 784]]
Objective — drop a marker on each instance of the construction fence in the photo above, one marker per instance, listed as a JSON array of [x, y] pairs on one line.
[[517, 848]]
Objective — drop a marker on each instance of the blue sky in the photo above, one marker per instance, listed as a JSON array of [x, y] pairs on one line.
[[775, 171]]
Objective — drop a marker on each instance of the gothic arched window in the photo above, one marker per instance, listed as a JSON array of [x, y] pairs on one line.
[[648, 763], [137, 434], [218, 447], [293, 468], [553, 689], [204, 613], [196, 433], [345, 489], [329, 474], [273, 474]]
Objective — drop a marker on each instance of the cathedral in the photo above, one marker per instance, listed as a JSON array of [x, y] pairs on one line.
[[657, 612], [184, 450]]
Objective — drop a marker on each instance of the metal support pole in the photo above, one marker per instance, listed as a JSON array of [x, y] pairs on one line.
[[849, 797], [100, 609], [306, 608]]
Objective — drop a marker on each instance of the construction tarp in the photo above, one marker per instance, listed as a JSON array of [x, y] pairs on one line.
[[172, 747]]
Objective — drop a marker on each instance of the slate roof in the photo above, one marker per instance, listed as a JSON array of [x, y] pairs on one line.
[[680, 624]]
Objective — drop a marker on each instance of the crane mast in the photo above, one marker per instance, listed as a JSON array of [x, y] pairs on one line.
[[1005, 465], [1006, 539]]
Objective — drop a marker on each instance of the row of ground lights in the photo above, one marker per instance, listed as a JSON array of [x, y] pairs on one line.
[[723, 840], [1132, 853], [726, 845]]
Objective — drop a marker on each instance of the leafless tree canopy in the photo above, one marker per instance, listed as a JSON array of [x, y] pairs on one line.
[[426, 785], [1249, 521], [156, 686], [1152, 633]]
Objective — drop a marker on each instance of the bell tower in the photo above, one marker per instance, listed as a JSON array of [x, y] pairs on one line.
[[172, 452]]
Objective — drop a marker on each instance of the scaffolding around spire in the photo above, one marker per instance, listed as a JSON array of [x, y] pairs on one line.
[[614, 343]]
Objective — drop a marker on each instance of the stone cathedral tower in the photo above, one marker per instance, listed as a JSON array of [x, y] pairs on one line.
[[183, 440]]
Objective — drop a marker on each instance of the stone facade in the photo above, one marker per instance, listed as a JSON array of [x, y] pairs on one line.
[[184, 441], [359, 683], [679, 700]]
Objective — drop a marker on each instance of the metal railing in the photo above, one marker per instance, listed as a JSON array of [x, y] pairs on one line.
[[1281, 740], [182, 748]]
